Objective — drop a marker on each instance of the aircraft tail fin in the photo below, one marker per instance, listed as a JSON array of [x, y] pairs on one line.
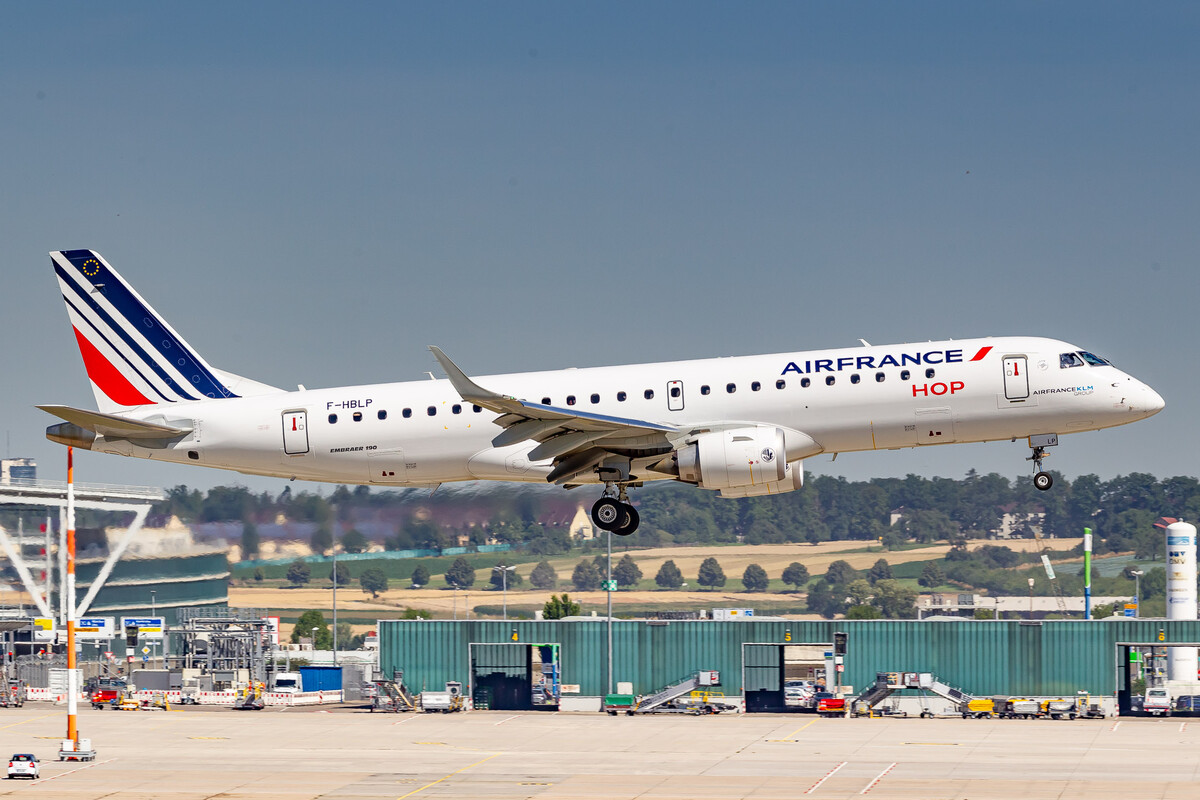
[[132, 356]]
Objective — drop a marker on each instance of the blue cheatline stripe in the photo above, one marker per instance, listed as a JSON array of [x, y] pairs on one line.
[[100, 335], [117, 292], [129, 341]]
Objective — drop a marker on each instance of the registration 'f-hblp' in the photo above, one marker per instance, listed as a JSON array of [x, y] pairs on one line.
[[741, 426]]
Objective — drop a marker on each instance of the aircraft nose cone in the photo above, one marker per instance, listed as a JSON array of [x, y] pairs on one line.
[[1152, 402]]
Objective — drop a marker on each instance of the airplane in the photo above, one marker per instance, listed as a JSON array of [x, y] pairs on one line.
[[741, 426]]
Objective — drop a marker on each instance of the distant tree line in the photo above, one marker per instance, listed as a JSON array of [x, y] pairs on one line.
[[1121, 513]]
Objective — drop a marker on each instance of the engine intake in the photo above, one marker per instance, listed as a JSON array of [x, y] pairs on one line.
[[735, 458]]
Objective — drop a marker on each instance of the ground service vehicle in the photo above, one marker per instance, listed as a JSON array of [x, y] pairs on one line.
[[105, 692], [1157, 702], [23, 765]]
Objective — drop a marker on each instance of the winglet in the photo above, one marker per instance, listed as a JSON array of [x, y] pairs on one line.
[[466, 388]]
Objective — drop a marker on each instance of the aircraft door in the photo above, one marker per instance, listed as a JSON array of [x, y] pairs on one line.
[[1016, 377], [295, 432], [675, 395]]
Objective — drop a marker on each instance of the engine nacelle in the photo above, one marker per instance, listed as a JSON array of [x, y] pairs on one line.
[[741, 462]]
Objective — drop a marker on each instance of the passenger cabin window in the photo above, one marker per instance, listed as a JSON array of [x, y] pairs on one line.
[[754, 387], [705, 389], [545, 401], [779, 384], [456, 408], [406, 413], [676, 391], [381, 414], [929, 373], [477, 409], [905, 374], [332, 418], [648, 394], [621, 397], [432, 411], [731, 387], [570, 399], [805, 383], [358, 416], [595, 399], [855, 378], [830, 380], [880, 377], [1069, 360]]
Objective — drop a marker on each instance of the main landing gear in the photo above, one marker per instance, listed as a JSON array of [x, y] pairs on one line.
[[615, 513], [1042, 480]]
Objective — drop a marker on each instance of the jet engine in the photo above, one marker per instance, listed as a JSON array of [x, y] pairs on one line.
[[740, 462]]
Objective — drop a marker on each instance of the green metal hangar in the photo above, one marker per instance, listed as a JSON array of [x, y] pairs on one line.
[[515, 661]]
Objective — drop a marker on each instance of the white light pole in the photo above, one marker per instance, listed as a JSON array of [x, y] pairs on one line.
[[314, 639], [335, 583], [1137, 590], [154, 613], [503, 570], [1031, 598]]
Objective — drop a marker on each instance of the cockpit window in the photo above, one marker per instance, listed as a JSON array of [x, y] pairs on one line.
[[1094, 360], [1069, 360]]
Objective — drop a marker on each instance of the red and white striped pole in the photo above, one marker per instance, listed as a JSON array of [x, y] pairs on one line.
[[68, 589]]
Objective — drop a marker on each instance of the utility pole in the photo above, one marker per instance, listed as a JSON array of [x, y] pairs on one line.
[[335, 583], [608, 587]]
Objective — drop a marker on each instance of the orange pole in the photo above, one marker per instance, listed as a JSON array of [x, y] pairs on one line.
[[68, 588]]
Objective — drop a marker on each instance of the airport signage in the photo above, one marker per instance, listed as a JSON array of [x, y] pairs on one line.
[[43, 629], [148, 627], [95, 629]]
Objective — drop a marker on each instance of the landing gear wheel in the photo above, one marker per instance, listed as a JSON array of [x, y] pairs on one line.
[[630, 523], [1043, 481], [608, 513]]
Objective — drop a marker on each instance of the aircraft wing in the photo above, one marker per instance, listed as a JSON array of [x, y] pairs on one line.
[[576, 440], [113, 426]]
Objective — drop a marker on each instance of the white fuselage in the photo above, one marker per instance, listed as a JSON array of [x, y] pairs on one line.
[[421, 433]]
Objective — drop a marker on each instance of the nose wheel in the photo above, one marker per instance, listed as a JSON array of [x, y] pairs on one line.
[[616, 514], [1042, 480]]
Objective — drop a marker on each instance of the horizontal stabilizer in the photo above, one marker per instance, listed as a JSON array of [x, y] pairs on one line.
[[111, 426]]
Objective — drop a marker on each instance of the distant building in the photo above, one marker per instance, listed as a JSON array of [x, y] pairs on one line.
[[582, 528], [15, 470]]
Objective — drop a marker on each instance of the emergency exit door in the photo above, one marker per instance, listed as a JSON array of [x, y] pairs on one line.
[[295, 432], [675, 395], [1016, 379]]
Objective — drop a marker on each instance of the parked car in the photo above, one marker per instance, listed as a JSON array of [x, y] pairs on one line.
[[1157, 701], [23, 765]]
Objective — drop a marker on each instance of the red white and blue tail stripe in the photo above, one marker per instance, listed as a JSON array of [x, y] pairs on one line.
[[132, 356]]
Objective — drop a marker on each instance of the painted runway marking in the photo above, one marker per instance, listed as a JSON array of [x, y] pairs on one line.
[[506, 719], [444, 777], [878, 778], [828, 775], [401, 722], [1116, 725], [1182, 725], [77, 769], [31, 719]]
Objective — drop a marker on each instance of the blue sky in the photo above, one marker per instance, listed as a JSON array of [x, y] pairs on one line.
[[312, 193]]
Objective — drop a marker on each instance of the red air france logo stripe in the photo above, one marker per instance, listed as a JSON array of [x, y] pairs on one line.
[[983, 351], [110, 380]]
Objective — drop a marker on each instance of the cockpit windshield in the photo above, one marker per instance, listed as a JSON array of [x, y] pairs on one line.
[[1081, 358]]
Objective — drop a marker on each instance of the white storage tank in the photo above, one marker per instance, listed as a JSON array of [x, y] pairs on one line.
[[1181, 595]]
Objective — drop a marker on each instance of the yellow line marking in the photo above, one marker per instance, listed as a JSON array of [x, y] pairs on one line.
[[451, 775], [31, 719], [792, 735], [934, 744]]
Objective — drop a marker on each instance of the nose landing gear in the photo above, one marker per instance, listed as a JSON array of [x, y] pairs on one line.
[[615, 513], [1042, 480]]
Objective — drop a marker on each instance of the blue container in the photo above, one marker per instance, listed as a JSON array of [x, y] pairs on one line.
[[321, 679]]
